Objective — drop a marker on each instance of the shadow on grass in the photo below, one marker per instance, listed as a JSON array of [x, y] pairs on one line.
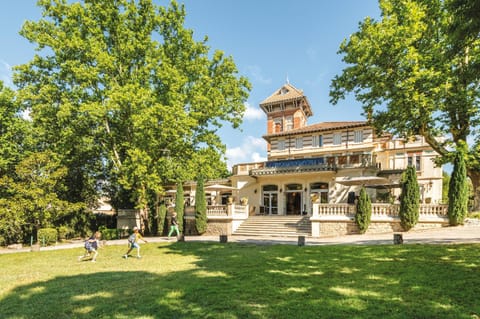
[[277, 281]]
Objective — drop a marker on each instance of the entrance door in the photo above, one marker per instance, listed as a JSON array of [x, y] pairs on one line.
[[270, 203], [293, 203]]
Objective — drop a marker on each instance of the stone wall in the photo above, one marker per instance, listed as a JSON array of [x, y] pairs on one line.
[[218, 227], [341, 228]]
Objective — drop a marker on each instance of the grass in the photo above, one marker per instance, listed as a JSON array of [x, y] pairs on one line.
[[213, 280]]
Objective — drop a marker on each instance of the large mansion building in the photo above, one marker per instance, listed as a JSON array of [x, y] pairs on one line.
[[327, 162]]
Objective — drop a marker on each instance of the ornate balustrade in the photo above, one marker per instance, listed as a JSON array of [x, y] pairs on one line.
[[217, 210], [338, 219], [381, 210]]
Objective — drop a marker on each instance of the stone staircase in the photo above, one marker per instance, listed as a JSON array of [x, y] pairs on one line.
[[280, 226]]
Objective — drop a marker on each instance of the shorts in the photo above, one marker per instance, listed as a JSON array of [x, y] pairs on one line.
[[134, 245]]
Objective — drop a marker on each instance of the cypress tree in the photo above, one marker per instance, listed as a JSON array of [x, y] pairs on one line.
[[180, 206], [364, 211], [200, 208], [162, 213], [409, 199], [458, 191]]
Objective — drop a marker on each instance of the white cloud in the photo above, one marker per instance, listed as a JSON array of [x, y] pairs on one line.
[[256, 74], [6, 73], [249, 151], [253, 113]]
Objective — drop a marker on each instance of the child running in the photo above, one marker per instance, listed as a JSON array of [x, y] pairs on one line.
[[91, 247], [133, 242]]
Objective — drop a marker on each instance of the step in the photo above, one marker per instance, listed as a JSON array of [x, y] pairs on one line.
[[286, 226]]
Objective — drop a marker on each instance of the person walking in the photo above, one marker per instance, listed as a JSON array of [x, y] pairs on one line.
[[173, 225], [133, 242], [91, 247]]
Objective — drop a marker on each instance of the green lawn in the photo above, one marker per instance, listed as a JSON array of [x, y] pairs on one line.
[[213, 280]]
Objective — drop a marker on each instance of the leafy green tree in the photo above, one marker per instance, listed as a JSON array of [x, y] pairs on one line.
[[200, 207], [458, 195], [403, 71], [465, 23], [180, 206], [125, 82], [364, 211], [409, 199], [15, 132], [32, 196]]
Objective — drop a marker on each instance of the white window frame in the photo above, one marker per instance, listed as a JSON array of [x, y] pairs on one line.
[[299, 143], [337, 139], [358, 136], [281, 145], [289, 123]]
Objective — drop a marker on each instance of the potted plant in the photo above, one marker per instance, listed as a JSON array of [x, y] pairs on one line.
[[244, 201]]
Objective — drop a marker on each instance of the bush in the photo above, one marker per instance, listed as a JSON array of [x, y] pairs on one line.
[[364, 211], [409, 199], [110, 233], [200, 208], [458, 191], [47, 236], [162, 213], [180, 206], [65, 232]]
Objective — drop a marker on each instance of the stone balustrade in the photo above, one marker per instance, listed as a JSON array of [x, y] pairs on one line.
[[338, 219]]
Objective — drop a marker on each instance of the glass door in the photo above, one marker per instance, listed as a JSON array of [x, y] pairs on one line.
[[270, 203]]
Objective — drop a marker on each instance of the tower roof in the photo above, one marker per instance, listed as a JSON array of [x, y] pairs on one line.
[[287, 93]]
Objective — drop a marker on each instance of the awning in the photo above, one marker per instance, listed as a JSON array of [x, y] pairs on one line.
[[363, 180], [219, 188]]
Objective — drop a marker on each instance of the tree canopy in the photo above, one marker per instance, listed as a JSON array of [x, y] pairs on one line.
[[411, 80], [123, 91]]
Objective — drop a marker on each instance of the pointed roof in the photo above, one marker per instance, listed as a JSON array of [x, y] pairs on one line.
[[285, 93]]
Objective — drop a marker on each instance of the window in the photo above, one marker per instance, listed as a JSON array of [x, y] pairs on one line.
[[278, 125], [281, 145], [299, 143], [289, 123], [337, 138], [317, 141], [358, 137], [415, 159]]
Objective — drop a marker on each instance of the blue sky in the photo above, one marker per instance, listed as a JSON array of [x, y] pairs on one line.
[[270, 41]]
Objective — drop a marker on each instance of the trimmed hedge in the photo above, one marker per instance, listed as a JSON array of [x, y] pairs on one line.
[[47, 236]]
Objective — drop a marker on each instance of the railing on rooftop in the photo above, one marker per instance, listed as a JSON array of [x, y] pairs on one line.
[[317, 164]]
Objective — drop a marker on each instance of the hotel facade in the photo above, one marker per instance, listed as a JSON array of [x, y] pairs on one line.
[[328, 162]]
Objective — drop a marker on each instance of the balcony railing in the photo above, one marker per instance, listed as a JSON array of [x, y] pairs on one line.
[[379, 211], [305, 165]]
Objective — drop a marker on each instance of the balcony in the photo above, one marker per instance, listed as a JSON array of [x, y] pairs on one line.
[[318, 164]]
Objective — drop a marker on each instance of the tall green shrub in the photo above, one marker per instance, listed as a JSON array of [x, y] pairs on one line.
[[364, 211], [200, 208], [409, 199], [458, 191], [179, 206], [162, 213]]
